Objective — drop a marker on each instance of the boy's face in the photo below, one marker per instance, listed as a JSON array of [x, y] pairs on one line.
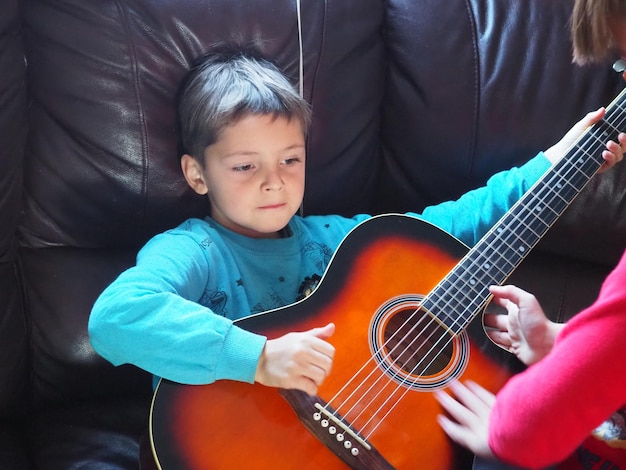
[[253, 175]]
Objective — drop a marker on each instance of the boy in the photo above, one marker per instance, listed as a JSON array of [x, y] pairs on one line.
[[243, 130]]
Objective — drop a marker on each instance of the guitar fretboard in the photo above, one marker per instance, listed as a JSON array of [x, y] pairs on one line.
[[462, 294]]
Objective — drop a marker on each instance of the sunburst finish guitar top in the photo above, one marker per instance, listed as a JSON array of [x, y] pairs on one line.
[[373, 403]]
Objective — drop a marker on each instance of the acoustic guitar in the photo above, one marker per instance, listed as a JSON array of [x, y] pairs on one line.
[[407, 301]]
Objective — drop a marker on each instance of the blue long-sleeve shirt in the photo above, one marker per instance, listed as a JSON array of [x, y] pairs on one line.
[[172, 313]]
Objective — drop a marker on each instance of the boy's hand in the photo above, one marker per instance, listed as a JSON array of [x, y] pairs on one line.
[[525, 331], [297, 360], [614, 150]]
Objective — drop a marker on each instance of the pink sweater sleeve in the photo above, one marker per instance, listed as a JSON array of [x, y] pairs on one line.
[[542, 414]]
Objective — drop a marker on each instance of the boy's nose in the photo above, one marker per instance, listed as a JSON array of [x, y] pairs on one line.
[[273, 180]]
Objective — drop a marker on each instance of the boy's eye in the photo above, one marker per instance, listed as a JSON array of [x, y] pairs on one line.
[[240, 168], [291, 160]]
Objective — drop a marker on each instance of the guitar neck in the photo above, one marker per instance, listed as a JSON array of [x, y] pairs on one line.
[[462, 294]]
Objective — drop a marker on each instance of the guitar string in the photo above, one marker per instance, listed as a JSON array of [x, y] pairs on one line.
[[408, 334], [571, 169], [574, 170], [446, 339], [393, 348], [370, 387]]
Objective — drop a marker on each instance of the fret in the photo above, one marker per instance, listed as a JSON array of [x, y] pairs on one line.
[[565, 191], [460, 296], [503, 258], [511, 224]]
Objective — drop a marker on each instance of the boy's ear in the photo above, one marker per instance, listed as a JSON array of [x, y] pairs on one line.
[[192, 170]]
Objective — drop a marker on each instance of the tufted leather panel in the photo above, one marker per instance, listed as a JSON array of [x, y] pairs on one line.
[[14, 359], [480, 86], [13, 353]]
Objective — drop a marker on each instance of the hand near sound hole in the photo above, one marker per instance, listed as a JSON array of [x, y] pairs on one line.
[[525, 331], [468, 408], [300, 360]]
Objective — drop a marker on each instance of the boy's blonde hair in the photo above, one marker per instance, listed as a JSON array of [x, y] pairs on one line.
[[591, 33], [224, 87]]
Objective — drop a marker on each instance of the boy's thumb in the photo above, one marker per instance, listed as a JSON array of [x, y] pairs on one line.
[[324, 332]]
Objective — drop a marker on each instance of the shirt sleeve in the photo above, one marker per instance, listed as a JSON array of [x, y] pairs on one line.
[[544, 413], [473, 214], [149, 317]]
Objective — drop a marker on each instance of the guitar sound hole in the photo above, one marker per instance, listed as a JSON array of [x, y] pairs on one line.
[[417, 344]]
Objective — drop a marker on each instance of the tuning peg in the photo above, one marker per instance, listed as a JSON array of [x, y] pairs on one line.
[[620, 66]]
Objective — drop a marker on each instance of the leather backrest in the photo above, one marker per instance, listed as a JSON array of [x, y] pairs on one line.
[[482, 85], [103, 163], [13, 352], [413, 102]]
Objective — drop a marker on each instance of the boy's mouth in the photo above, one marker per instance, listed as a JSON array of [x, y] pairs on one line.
[[274, 206]]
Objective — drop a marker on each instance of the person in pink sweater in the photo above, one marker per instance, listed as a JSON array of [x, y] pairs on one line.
[[567, 409], [568, 405]]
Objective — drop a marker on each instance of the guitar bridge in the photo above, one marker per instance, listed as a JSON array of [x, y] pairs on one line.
[[332, 431]]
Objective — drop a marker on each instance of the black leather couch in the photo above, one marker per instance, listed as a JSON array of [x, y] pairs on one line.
[[414, 102]]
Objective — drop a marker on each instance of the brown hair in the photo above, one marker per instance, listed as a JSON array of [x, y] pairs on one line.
[[591, 32]]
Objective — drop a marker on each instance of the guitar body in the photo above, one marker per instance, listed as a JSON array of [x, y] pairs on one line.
[[372, 292]]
